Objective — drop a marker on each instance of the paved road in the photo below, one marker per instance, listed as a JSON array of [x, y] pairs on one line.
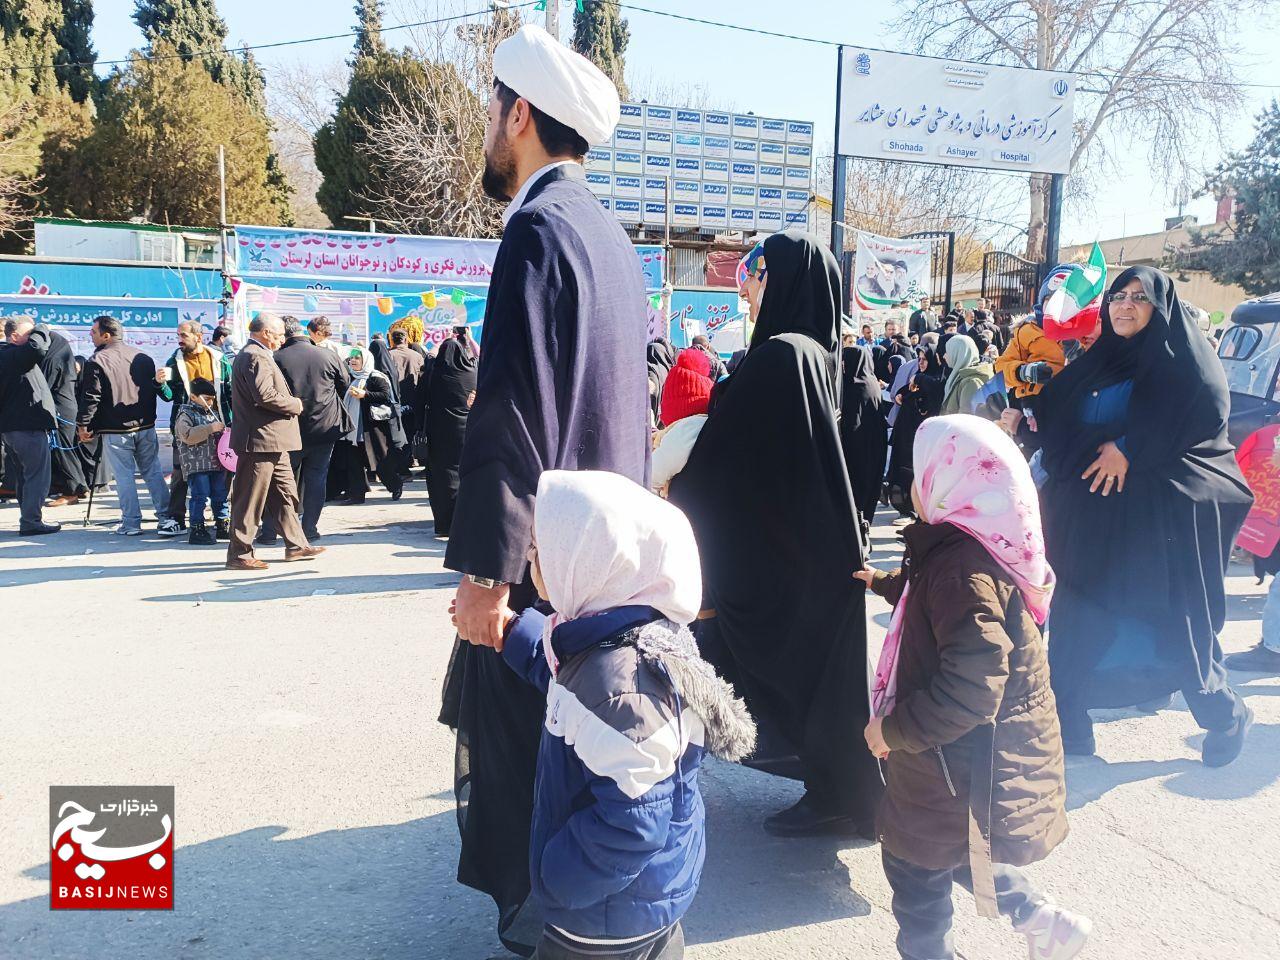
[[294, 713]]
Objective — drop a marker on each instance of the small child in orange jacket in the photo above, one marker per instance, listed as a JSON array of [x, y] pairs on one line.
[[1030, 360]]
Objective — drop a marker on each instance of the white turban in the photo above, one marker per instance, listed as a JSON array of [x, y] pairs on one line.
[[561, 83]]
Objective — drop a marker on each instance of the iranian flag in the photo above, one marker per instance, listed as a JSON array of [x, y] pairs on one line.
[[1071, 310]]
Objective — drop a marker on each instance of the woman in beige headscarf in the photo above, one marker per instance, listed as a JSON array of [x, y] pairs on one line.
[[969, 373]]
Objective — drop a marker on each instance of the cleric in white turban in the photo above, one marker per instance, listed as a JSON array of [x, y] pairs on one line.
[[561, 83], [562, 385]]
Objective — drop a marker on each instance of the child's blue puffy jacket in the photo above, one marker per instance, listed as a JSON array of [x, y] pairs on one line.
[[617, 842]]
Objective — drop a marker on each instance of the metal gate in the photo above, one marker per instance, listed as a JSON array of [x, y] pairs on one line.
[[1009, 282], [944, 261]]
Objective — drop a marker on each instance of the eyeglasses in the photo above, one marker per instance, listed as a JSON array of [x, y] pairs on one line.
[[1122, 296]]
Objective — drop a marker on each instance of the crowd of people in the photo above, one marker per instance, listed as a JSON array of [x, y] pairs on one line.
[[663, 555], [583, 589], [261, 438]]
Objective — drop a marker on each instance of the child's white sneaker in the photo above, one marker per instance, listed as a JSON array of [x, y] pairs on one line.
[[1053, 933]]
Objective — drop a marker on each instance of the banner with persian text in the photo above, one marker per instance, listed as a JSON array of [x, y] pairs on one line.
[[403, 258], [895, 106]]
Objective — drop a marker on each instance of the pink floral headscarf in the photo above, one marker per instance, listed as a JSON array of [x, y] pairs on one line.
[[970, 474]]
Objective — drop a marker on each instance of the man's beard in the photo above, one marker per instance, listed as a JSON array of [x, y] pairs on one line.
[[499, 177], [188, 351]]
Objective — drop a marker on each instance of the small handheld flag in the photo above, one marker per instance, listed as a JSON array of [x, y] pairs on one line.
[[1072, 310]]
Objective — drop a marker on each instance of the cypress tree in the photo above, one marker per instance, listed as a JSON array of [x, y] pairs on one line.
[[195, 30], [600, 34], [28, 48], [369, 29], [76, 47]]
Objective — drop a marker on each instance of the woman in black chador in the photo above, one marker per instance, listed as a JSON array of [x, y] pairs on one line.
[[768, 494], [1143, 503], [864, 433], [450, 394], [918, 400]]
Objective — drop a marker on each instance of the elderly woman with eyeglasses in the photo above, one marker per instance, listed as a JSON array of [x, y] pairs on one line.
[[1143, 502]]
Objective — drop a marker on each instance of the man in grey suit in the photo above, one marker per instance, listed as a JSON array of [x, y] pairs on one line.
[[263, 434]]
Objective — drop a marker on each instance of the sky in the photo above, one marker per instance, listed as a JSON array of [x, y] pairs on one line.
[[766, 75]]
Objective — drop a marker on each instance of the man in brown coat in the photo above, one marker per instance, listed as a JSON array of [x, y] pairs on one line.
[[264, 432]]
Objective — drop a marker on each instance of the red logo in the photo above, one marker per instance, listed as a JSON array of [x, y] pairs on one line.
[[111, 848]]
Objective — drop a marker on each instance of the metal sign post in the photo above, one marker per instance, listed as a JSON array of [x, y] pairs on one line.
[[1053, 223], [839, 178], [839, 186]]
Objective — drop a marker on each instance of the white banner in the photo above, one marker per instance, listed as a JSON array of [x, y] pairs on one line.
[[894, 106], [888, 271]]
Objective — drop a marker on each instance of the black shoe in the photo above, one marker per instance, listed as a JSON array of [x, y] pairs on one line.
[[200, 536], [1223, 746], [311, 535], [265, 541], [1257, 659], [808, 819], [40, 529], [397, 494], [222, 529]]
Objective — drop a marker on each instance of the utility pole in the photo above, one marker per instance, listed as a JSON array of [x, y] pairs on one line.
[[553, 18]]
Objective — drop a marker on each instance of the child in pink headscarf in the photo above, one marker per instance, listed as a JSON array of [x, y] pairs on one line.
[[964, 719]]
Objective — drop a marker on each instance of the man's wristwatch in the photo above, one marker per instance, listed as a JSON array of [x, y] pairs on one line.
[[486, 582]]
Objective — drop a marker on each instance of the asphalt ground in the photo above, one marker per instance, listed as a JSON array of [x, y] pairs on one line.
[[294, 713]]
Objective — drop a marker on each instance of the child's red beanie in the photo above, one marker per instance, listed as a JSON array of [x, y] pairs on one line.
[[688, 388]]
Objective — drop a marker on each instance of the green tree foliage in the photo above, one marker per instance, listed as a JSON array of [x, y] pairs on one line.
[[28, 48], [33, 106], [195, 30], [1248, 255], [153, 151], [369, 30], [600, 34], [75, 55], [376, 84]]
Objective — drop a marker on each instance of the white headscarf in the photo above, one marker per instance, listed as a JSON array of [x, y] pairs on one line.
[[604, 542]]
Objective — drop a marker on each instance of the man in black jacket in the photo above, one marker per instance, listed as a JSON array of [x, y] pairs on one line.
[[27, 414], [409, 365], [923, 320], [320, 381], [118, 401], [59, 368]]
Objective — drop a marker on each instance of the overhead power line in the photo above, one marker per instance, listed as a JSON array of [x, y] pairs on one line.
[[634, 8], [244, 48], [742, 28]]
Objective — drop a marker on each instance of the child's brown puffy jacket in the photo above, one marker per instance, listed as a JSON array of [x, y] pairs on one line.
[[975, 727]]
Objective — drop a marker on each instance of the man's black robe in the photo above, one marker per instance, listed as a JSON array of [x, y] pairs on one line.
[[562, 385]]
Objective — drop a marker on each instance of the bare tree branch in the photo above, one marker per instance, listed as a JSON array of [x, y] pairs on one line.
[[428, 144], [300, 100], [1166, 68]]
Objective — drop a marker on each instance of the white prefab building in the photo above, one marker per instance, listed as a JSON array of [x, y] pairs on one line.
[[123, 241]]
